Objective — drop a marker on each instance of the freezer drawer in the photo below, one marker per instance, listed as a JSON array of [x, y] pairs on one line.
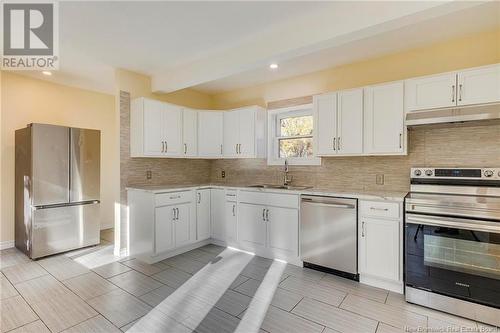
[[60, 229], [329, 233]]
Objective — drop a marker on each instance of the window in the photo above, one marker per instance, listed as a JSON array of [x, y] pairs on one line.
[[291, 136]]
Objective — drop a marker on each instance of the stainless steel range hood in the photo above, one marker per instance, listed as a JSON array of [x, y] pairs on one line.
[[453, 115]]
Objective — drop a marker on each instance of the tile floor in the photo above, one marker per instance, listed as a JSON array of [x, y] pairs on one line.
[[210, 289]]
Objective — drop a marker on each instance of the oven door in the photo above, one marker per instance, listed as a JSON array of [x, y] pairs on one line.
[[453, 256]]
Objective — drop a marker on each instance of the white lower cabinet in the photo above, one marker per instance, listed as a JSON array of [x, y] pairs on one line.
[[252, 226], [203, 214], [231, 223], [218, 214], [164, 239], [182, 225], [283, 230], [380, 246]]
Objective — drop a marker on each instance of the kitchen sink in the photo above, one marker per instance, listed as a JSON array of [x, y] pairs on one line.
[[281, 187]]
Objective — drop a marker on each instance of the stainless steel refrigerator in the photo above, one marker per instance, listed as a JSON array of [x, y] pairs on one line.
[[57, 189]]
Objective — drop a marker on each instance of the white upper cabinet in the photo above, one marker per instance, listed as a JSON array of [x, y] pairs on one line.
[[339, 123], [430, 92], [466, 87], [479, 85], [190, 132], [231, 133], [210, 133], [244, 133], [156, 129], [172, 124], [384, 130], [325, 123], [350, 122]]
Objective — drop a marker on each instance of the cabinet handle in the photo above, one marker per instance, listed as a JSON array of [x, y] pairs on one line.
[[166, 146], [173, 214], [334, 143], [267, 215], [236, 148], [177, 215], [185, 148], [234, 207], [239, 148], [199, 197], [400, 140], [175, 197], [338, 143], [264, 215], [221, 149], [381, 209], [363, 229], [162, 147], [460, 92], [453, 93]]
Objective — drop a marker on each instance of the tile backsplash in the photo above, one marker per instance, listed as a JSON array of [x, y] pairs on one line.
[[462, 145]]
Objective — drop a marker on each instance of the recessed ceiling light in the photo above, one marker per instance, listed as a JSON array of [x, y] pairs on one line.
[[47, 73], [273, 66]]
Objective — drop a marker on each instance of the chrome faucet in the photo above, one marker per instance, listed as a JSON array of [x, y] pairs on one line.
[[287, 180]]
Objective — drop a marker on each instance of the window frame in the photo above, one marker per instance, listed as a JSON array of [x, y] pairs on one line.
[[274, 124]]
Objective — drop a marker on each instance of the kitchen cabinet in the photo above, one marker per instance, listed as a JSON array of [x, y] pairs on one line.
[[244, 133], [203, 214], [252, 226], [210, 134], [380, 244], [231, 218], [339, 123], [218, 214], [385, 132], [268, 224], [436, 91], [478, 85], [164, 217], [156, 129], [190, 132], [182, 225]]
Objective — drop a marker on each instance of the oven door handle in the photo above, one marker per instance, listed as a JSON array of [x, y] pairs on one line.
[[456, 223]]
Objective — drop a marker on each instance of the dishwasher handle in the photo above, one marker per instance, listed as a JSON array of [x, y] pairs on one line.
[[330, 205]]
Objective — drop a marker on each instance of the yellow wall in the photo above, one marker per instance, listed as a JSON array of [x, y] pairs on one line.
[[26, 100], [469, 51]]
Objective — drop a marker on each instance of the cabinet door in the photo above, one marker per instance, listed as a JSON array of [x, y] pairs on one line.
[[189, 132], [210, 134], [350, 122], [283, 230], [172, 120], [182, 225], [480, 85], [379, 248], [325, 124], [247, 132], [231, 133], [153, 128], [163, 228], [384, 119], [430, 92], [218, 209], [231, 223], [203, 214], [252, 226]]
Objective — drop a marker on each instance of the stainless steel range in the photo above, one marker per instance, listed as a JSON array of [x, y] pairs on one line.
[[452, 241]]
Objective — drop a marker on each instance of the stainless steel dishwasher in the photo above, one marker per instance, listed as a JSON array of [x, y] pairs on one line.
[[328, 231]]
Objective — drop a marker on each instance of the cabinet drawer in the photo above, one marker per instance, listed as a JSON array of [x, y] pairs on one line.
[[380, 209], [231, 195], [173, 198], [270, 199]]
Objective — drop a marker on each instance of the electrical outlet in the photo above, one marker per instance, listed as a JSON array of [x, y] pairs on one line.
[[379, 179], [149, 174], [223, 174]]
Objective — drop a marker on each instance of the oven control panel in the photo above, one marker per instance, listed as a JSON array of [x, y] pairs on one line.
[[456, 173]]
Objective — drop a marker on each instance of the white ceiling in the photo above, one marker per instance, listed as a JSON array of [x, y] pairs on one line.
[[219, 46]]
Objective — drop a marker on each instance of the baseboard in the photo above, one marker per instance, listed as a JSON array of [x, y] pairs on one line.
[[7, 244]]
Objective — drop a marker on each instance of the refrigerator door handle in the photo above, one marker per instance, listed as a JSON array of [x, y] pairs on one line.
[[90, 202]]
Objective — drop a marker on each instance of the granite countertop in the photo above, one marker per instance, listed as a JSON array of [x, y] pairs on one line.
[[337, 192]]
